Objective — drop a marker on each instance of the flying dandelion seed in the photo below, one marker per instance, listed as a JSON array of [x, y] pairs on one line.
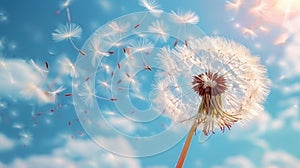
[[26, 138], [183, 19], [235, 5], [65, 5], [68, 32], [221, 83], [152, 6]]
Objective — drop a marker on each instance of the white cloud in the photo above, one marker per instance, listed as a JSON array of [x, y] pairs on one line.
[[291, 60], [6, 143], [22, 80], [270, 159], [238, 161], [75, 153], [280, 159]]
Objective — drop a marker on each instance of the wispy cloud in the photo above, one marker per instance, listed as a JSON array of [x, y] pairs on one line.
[[236, 161], [75, 153], [280, 159], [291, 60], [6, 143]]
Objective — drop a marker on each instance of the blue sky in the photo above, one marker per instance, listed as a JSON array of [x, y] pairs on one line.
[[39, 130]]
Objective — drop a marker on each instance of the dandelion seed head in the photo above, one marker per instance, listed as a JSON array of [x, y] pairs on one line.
[[67, 31], [220, 83]]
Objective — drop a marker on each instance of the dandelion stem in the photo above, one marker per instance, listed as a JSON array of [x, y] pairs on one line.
[[186, 145]]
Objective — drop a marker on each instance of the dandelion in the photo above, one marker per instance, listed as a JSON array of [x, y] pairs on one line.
[[215, 84], [68, 32]]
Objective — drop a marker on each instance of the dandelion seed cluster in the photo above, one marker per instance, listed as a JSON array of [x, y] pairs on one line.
[[140, 67], [219, 81]]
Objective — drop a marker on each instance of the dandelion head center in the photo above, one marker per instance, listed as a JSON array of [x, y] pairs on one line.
[[209, 83]]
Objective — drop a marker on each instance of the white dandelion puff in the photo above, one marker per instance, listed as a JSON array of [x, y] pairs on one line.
[[188, 17], [68, 32], [220, 83], [152, 6]]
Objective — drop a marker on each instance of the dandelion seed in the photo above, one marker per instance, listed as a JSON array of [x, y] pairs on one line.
[[2, 44], [38, 69], [67, 67], [188, 17], [217, 83], [141, 46], [25, 138], [88, 95], [56, 91], [119, 27], [159, 28], [95, 47], [65, 5], [18, 125], [281, 39], [249, 33], [68, 32], [235, 5], [152, 6]]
